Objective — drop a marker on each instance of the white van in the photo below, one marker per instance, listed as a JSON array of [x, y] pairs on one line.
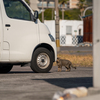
[[24, 39]]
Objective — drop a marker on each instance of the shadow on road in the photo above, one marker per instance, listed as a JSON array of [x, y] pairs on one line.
[[70, 82], [15, 72], [20, 72]]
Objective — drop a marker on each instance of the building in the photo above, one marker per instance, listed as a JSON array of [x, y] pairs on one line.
[[73, 4], [71, 31], [37, 4]]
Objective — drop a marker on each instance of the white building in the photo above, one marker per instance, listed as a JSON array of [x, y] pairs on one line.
[[71, 31]]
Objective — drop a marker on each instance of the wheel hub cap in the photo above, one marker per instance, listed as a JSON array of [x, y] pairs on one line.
[[43, 60]]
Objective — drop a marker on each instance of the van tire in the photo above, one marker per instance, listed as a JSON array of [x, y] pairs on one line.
[[5, 68], [42, 60]]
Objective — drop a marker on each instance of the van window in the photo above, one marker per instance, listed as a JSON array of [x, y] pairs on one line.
[[16, 9]]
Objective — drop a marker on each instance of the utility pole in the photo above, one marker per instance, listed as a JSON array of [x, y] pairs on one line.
[[57, 25], [52, 13], [42, 12], [63, 13], [96, 44]]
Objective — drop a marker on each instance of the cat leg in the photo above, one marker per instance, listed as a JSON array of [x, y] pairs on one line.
[[68, 68], [59, 68]]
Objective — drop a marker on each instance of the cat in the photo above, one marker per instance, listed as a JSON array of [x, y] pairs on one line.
[[63, 62]]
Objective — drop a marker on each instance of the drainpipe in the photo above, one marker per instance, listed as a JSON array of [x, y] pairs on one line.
[[86, 10]]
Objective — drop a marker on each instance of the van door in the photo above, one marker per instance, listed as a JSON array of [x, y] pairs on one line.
[[20, 32]]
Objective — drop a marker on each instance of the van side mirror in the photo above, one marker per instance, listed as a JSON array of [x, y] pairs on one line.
[[36, 14]]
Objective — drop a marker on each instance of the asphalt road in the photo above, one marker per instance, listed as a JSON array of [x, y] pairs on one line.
[[77, 50], [64, 48], [23, 84]]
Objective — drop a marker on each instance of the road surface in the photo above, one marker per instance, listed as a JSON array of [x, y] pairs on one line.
[[23, 84]]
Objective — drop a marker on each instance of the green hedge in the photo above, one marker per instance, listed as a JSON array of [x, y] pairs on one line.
[[68, 14]]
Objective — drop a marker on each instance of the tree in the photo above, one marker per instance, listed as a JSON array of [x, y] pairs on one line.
[[28, 2], [47, 14], [68, 15], [81, 5], [63, 2]]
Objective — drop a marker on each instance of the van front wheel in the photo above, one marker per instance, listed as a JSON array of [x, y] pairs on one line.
[[42, 60], [5, 68]]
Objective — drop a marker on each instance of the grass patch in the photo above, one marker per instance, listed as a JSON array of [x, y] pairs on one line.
[[78, 51], [78, 60]]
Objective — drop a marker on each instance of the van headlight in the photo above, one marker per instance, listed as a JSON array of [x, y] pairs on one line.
[[52, 38]]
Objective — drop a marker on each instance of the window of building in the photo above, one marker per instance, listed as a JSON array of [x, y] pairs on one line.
[[68, 30], [51, 4]]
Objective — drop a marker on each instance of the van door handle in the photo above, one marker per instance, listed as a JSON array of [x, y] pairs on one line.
[[7, 25]]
